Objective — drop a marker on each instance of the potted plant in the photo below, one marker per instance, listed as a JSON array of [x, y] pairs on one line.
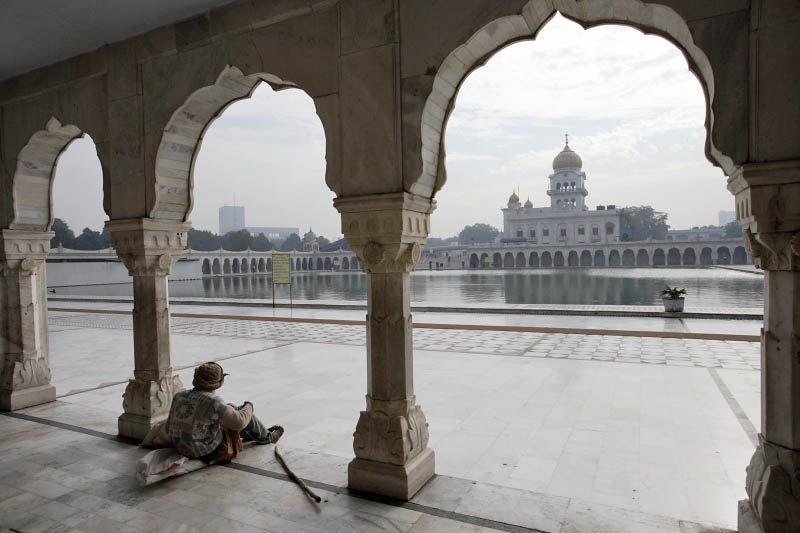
[[673, 299]]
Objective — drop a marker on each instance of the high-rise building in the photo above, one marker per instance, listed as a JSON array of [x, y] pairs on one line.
[[726, 217], [231, 218]]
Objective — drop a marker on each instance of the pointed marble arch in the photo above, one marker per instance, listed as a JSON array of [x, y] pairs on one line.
[[648, 18], [183, 136], [32, 185]]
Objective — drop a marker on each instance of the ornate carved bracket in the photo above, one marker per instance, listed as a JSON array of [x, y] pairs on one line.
[[386, 231], [768, 208], [381, 258], [774, 251], [148, 247]]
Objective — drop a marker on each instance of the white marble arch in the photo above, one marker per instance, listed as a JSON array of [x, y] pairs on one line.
[[475, 51], [32, 186], [183, 136]]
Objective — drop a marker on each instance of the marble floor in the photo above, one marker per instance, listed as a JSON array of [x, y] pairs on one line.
[[543, 432]]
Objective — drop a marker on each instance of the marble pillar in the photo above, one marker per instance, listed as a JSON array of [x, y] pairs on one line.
[[768, 207], [25, 362], [148, 248], [387, 233]]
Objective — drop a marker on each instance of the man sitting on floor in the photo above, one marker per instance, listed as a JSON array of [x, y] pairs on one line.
[[202, 426]]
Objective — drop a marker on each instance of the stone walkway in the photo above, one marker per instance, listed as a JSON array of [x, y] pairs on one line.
[[69, 480], [623, 349], [532, 432]]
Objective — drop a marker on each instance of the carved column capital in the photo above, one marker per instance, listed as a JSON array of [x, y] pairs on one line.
[[386, 231], [22, 253], [768, 208], [148, 247]]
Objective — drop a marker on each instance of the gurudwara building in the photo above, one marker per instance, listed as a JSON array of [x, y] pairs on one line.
[[567, 220]]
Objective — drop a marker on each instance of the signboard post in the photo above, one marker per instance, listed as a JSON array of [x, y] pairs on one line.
[[281, 274]]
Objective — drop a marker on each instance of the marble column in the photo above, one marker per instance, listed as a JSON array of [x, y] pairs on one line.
[[768, 207], [148, 248], [387, 233], [25, 362]]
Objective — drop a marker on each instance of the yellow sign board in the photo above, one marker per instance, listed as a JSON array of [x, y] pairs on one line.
[[281, 269]]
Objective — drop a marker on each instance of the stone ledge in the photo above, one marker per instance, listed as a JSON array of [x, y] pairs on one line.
[[22, 398], [748, 521], [394, 481], [608, 310]]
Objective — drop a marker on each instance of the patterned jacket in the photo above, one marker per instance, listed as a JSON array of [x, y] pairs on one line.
[[196, 419]]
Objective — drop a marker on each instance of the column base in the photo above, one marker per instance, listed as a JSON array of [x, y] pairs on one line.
[[138, 426], [22, 398], [748, 521], [395, 481]]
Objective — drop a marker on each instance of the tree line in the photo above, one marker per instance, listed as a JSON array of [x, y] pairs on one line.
[[237, 241], [87, 240], [201, 240], [641, 222]]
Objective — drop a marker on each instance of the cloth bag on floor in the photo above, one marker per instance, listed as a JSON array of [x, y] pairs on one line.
[[163, 463]]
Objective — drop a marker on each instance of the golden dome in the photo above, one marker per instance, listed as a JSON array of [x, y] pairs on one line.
[[567, 159]]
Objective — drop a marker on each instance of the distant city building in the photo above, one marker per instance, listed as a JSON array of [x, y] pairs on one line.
[[275, 235], [231, 218], [726, 217], [710, 233], [567, 220]]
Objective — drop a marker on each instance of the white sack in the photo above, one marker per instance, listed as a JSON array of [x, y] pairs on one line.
[[163, 463]]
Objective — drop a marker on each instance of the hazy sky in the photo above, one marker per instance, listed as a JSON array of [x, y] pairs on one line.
[[632, 108]]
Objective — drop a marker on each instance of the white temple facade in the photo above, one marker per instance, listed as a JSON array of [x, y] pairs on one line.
[[310, 242], [567, 220]]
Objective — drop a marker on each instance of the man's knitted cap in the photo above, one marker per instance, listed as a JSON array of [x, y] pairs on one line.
[[208, 376]]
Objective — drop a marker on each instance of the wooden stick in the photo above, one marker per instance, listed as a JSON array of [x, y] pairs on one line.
[[296, 479]]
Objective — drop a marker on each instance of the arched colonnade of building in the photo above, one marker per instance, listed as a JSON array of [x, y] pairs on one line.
[[383, 77], [630, 255], [223, 262]]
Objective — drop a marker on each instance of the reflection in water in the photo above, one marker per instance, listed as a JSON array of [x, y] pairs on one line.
[[603, 286]]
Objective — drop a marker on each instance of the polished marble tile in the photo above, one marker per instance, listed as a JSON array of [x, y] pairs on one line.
[[587, 431]]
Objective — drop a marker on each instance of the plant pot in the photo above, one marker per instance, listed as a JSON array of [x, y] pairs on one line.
[[673, 305]]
